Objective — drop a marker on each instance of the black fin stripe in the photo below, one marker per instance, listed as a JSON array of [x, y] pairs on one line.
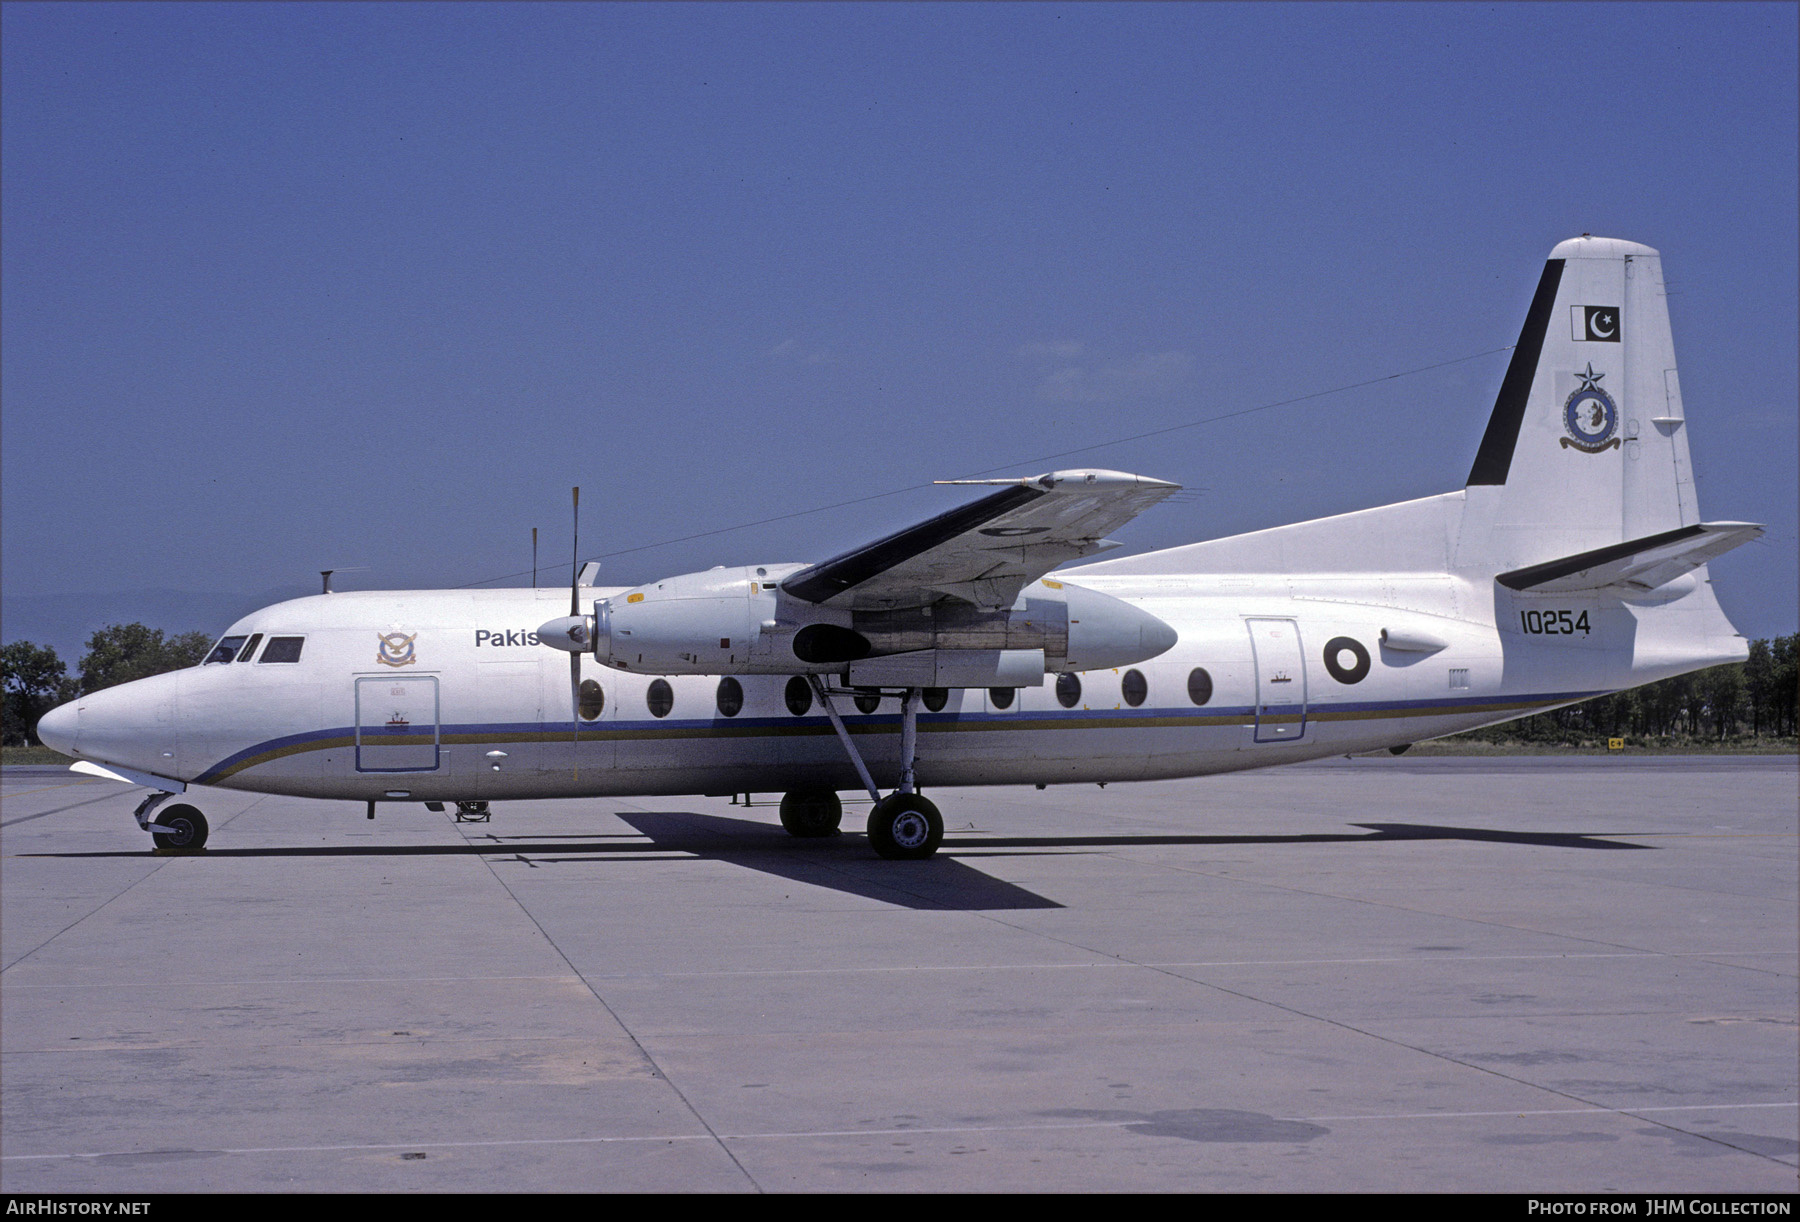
[[1494, 459]]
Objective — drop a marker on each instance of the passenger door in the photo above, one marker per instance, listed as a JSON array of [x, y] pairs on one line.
[[397, 726], [1280, 680]]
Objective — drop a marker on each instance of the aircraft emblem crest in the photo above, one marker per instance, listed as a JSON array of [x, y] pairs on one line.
[[1590, 416], [396, 649]]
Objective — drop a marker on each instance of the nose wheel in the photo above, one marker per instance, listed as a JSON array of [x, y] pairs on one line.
[[182, 830]]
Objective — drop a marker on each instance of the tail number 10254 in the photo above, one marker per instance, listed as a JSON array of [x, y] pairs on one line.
[[1553, 623]]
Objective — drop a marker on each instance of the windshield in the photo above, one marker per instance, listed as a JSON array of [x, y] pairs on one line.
[[225, 650]]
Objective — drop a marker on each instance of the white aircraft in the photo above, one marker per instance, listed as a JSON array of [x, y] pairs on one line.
[[1571, 565]]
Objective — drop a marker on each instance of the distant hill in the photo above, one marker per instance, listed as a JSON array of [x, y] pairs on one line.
[[66, 621]]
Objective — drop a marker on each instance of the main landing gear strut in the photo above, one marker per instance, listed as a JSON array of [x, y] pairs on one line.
[[904, 826]]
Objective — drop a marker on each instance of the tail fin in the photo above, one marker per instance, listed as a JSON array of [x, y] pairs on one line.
[[1587, 446]]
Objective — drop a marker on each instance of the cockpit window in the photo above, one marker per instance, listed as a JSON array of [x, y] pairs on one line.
[[250, 649], [283, 649], [225, 650]]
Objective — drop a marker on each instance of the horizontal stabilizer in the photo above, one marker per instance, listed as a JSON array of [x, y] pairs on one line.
[[1637, 564]]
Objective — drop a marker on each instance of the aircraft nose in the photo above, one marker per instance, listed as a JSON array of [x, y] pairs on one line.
[[57, 728], [133, 724]]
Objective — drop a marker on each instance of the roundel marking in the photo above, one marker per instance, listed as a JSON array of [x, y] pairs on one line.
[[1335, 649]]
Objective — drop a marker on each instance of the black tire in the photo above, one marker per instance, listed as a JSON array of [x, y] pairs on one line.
[[189, 834], [905, 827], [809, 813]]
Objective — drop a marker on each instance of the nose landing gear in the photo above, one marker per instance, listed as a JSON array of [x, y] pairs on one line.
[[179, 830]]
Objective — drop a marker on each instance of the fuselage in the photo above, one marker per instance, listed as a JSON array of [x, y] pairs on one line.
[[1570, 564], [448, 696]]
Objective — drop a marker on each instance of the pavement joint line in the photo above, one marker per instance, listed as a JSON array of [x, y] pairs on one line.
[[290, 980], [643, 1051], [19, 793], [54, 810], [1367, 1031], [851, 970], [161, 862], [922, 1130], [1371, 901]]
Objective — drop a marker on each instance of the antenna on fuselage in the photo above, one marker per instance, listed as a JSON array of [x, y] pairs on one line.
[[534, 557], [325, 575]]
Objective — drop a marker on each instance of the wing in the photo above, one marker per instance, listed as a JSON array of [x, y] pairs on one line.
[[986, 551]]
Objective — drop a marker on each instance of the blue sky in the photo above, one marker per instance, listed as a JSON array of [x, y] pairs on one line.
[[296, 286]]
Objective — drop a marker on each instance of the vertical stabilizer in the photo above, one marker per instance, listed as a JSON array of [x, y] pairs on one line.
[[1587, 444]]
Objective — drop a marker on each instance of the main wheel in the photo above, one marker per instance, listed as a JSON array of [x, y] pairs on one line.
[[188, 829], [811, 812], [905, 827]]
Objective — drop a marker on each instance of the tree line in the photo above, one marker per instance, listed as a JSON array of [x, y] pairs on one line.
[[1738, 702], [1753, 699], [34, 680]]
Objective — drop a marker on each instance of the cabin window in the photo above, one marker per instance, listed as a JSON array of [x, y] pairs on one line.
[[249, 651], [798, 695], [730, 698], [1068, 691], [592, 700], [936, 698], [1002, 697], [225, 650], [1134, 687], [282, 649], [868, 702], [1199, 685], [660, 698]]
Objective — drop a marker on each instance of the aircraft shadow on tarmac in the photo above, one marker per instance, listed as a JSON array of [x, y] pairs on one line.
[[843, 863]]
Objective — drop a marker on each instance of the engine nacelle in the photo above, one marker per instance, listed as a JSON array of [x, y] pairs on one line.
[[739, 621], [695, 624]]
